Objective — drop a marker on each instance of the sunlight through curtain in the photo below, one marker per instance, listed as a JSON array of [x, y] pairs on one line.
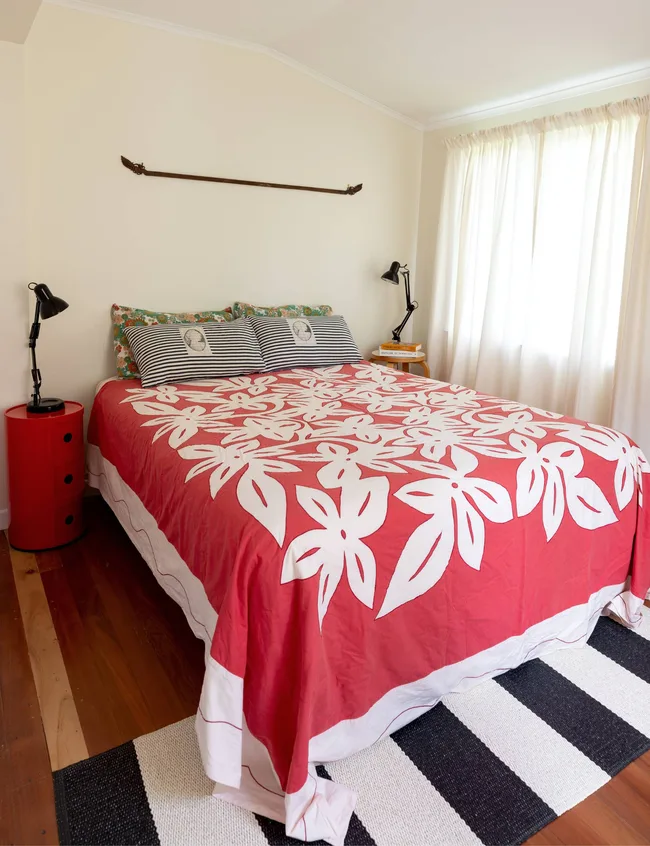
[[531, 258]]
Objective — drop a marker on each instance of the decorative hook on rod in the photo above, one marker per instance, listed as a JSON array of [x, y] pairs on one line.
[[140, 169]]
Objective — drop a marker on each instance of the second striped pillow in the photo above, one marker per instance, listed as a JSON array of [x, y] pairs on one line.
[[288, 342]]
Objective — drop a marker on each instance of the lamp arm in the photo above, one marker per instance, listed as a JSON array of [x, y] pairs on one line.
[[397, 331], [407, 285], [33, 337], [410, 306]]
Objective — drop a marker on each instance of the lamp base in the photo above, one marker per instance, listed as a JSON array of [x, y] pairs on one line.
[[46, 405]]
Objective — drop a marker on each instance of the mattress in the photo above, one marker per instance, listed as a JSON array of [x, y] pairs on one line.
[[352, 544]]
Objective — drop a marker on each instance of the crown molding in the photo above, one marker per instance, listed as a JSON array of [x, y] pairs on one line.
[[542, 97], [205, 35]]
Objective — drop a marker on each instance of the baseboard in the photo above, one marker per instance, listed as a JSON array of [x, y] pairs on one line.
[[4, 519]]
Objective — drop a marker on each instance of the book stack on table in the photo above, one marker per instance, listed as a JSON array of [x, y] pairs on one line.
[[400, 350]]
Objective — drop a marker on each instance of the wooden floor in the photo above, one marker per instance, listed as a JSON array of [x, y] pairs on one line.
[[93, 653]]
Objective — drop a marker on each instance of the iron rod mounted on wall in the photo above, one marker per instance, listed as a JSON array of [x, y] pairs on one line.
[[141, 169]]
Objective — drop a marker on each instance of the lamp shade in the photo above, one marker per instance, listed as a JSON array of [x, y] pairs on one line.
[[392, 274], [50, 305]]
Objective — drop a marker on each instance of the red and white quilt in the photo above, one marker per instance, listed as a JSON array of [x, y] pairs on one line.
[[354, 543]]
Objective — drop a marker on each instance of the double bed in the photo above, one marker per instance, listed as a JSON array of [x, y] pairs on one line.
[[352, 544]]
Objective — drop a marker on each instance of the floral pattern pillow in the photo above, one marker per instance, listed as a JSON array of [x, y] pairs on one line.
[[124, 316], [248, 310]]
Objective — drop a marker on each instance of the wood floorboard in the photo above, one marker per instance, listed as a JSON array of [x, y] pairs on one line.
[[114, 670], [593, 822], [124, 642], [545, 837], [65, 740], [157, 621], [134, 666], [50, 559], [27, 813], [628, 796], [100, 712]]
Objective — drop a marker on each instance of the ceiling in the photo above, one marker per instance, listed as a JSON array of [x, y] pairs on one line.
[[16, 18], [432, 61]]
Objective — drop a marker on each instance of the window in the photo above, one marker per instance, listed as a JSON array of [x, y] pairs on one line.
[[531, 259]]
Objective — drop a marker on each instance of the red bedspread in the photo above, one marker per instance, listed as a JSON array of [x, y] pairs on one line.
[[357, 529]]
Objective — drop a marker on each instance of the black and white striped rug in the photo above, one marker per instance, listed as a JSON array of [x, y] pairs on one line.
[[490, 766]]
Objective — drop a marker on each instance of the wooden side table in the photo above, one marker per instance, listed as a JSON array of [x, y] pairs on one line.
[[45, 458], [394, 361]]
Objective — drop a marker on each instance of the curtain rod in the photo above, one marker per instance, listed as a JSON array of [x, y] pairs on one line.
[[140, 169]]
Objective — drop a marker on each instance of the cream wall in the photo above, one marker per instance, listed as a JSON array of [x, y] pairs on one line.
[[98, 87], [433, 169], [13, 256]]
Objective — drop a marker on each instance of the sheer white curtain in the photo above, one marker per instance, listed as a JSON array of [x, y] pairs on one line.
[[531, 258], [631, 411]]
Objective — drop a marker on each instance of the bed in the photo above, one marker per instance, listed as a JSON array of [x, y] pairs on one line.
[[352, 544]]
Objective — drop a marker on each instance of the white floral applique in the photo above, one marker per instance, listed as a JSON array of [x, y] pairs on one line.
[[490, 425], [161, 393], [435, 442], [343, 463], [179, 423], [550, 475], [360, 427], [338, 545], [456, 397], [457, 503], [251, 384], [312, 410], [613, 446], [258, 493], [271, 428], [309, 377], [424, 415]]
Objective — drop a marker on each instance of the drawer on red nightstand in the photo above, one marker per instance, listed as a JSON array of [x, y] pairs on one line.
[[68, 473], [68, 516], [64, 519], [69, 482], [45, 524], [63, 480]]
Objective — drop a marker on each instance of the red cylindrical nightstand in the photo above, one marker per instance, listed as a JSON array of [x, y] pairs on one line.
[[45, 455]]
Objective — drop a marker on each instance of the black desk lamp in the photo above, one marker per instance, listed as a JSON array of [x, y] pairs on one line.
[[392, 275], [47, 305]]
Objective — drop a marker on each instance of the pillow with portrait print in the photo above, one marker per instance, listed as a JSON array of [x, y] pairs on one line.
[[167, 353], [123, 316], [248, 310], [287, 342]]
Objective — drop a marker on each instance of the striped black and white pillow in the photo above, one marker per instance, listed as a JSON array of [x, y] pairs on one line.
[[179, 353], [288, 342]]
